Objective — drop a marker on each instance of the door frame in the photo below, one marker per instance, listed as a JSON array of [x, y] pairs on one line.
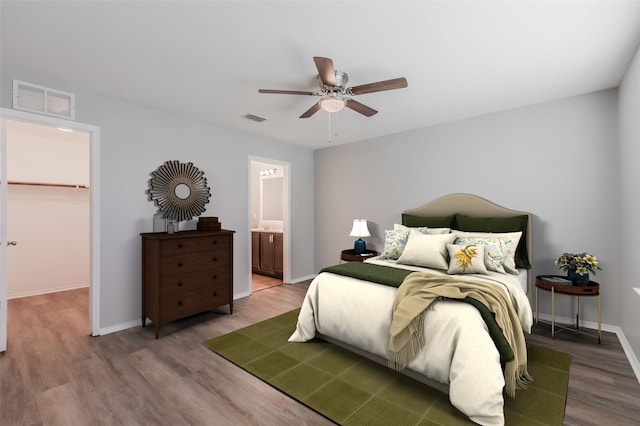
[[286, 216], [94, 185]]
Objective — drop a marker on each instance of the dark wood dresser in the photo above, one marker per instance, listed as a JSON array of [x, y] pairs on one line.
[[185, 273]]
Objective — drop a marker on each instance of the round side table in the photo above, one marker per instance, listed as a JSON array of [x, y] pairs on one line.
[[351, 256], [559, 284]]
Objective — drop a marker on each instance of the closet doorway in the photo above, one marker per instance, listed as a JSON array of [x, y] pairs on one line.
[[49, 213], [269, 221]]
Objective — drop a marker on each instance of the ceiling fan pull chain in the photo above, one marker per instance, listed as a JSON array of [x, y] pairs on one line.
[[329, 114]]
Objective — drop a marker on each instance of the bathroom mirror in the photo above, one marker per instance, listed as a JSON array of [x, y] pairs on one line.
[[271, 200], [179, 190]]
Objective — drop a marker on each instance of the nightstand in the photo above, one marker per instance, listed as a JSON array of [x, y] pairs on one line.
[[351, 256], [555, 284]]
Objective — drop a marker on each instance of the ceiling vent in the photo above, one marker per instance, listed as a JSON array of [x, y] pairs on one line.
[[34, 98], [254, 117]]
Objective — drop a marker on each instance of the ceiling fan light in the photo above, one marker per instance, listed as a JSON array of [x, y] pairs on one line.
[[332, 104]]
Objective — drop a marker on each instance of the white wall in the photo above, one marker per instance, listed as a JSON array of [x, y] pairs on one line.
[[628, 302], [557, 160], [134, 141]]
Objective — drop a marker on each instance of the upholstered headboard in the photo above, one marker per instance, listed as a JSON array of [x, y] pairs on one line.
[[460, 210]]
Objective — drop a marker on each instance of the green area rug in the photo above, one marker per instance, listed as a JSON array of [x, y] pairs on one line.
[[352, 390]]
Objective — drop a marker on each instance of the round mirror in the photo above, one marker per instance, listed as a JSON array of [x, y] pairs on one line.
[[183, 191], [179, 190]]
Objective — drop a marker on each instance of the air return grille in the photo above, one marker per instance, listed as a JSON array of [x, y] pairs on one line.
[[254, 117], [34, 98]]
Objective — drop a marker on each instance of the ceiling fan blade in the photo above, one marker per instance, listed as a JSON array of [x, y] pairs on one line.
[[380, 86], [285, 92], [326, 71], [361, 108], [308, 113]]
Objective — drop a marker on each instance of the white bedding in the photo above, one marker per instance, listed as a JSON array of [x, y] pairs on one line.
[[458, 350]]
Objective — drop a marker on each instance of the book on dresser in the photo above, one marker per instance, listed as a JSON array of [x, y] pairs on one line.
[[185, 273]]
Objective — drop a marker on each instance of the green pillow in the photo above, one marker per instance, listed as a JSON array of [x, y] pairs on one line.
[[431, 222], [498, 224]]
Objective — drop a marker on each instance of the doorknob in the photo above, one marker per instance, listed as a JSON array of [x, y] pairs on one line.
[[12, 243]]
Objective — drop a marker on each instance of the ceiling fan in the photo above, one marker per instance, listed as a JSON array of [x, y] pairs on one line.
[[335, 94]]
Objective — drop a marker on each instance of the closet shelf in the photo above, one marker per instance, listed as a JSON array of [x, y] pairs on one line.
[[57, 185]]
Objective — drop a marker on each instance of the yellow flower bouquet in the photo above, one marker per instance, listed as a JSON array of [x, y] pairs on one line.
[[580, 263]]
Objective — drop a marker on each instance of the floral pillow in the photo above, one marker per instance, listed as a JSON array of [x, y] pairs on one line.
[[466, 259], [496, 250], [394, 243], [423, 229], [508, 243]]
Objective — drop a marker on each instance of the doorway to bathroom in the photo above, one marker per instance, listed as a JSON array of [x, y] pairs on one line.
[[269, 219]]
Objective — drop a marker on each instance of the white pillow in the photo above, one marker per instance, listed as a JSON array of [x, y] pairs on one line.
[[466, 259], [428, 250], [423, 229], [512, 240], [394, 243]]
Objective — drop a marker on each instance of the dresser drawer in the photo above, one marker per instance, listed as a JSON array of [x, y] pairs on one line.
[[214, 242], [176, 265], [179, 246], [191, 281], [188, 303]]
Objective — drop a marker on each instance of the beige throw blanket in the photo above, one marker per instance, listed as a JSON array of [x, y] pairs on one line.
[[419, 290]]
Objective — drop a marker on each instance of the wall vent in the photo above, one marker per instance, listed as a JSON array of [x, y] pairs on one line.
[[254, 117], [34, 98]]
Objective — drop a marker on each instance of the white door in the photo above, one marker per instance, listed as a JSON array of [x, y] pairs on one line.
[[3, 236], [94, 286]]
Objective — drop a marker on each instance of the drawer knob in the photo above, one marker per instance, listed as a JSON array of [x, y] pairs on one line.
[[180, 264], [215, 259], [215, 294], [180, 284], [215, 242], [180, 303], [179, 245], [215, 277]]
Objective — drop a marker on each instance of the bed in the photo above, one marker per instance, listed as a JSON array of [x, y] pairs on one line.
[[459, 352]]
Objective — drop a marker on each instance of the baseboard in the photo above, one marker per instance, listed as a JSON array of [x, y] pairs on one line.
[[300, 279], [46, 291], [120, 327], [631, 356], [628, 351]]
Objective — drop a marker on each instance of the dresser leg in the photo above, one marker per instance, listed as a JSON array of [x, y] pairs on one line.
[[157, 330], [144, 321], [230, 308]]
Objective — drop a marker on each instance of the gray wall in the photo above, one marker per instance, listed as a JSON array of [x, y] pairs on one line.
[[557, 160], [136, 140], [628, 302]]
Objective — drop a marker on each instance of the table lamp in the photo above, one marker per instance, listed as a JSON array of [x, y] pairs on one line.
[[359, 230]]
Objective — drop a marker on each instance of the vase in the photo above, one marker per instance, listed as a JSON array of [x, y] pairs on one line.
[[576, 278]]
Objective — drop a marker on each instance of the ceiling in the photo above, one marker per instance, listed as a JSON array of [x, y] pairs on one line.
[[207, 59]]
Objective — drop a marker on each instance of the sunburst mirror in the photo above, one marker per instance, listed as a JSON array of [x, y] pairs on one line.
[[179, 190]]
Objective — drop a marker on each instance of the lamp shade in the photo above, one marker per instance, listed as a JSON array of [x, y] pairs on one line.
[[360, 228]]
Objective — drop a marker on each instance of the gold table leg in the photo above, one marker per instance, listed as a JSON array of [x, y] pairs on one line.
[[553, 312], [599, 320], [537, 307]]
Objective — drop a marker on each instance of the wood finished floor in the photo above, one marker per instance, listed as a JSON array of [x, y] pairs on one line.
[[260, 282], [55, 374]]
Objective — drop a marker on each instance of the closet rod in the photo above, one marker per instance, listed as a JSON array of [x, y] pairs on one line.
[[58, 185]]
